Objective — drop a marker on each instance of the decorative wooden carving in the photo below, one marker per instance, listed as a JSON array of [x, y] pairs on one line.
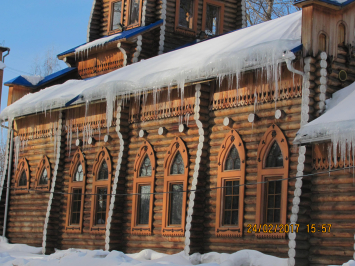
[[22, 172], [143, 177], [98, 187], [269, 173], [43, 168], [223, 228], [176, 147], [77, 184]]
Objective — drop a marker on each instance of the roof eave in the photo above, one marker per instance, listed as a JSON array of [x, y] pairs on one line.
[[320, 3]]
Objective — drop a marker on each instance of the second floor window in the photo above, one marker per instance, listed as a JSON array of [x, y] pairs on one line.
[[186, 13], [22, 177], [134, 12], [116, 15], [212, 17]]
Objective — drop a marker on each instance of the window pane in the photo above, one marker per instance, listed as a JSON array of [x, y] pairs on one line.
[[212, 19], [146, 168], [186, 13], [233, 160], [176, 203], [274, 158], [44, 178], [103, 172], [79, 174], [231, 203], [134, 12], [144, 204], [23, 179], [75, 206], [178, 165], [101, 201], [116, 15], [273, 198]]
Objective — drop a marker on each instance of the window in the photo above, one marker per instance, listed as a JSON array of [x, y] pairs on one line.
[[186, 16], [212, 19], [273, 165], [175, 185], [322, 42], [134, 13], [143, 187], [76, 189], [22, 177], [43, 175], [101, 189], [230, 180], [115, 17], [341, 34]]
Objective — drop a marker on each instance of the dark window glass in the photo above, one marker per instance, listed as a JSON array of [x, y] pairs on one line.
[[273, 198], [116, 15], [186, 14], [212, 19], [144, 204], [231, 203], [146, 168], [233, 160], [176, 204], [103, 172], [134, 12], [44, 178], [23, 180], [274, 158], [101, 201], [79, 174], [76, 206], [177, 167]]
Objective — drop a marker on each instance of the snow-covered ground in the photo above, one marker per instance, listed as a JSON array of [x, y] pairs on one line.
[[19, 255]]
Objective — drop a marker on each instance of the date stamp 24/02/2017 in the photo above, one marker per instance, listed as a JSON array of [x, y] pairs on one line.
[[287, 228]]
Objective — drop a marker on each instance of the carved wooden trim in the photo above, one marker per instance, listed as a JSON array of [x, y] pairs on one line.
[[110, 16], [272, 134], [177, 145], [102, 155], [43, 164], [221, 14], [22, 166], [232, 138], [78, 158], [145, 149], [183, 30]]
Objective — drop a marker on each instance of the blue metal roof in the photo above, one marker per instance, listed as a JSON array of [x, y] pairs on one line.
[[22, 81], [331, 2], [122, 35]]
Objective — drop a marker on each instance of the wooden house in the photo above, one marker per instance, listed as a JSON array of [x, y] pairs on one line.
[[200, 163]]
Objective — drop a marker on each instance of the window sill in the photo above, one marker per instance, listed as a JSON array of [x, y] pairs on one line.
[[42, 188], [271, 235], [21, 190], [137, 230], [73, 229], [229, 232], [185, 31], [171, 231], [133, 26], [98, 229]]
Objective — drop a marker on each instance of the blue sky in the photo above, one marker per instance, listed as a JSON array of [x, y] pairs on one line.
[[31, 27]]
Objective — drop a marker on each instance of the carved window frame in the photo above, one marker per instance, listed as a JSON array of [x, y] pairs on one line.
[[272, 134], [177, 145], [231, 139], [127, 17], [78, 158], [183, 30], [110, 16], [145, 150], [43, 164], [22, 166], [102, 155], [218, 4]]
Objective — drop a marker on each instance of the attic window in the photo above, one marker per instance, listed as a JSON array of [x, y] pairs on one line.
[[212, 19], [115, 16], [134, 15]]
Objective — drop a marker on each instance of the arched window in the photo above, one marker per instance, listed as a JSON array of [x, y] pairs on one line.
[[22, 177], [101, 189], [175, 183], [230, 180], [75, 202], [273, 166], [341, 34], [322, 42], [143, 187], [43, 176]]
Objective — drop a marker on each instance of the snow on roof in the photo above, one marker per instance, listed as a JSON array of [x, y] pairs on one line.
[[2, 65], [332, 2], [338, 121], [228, 55], [34, 80]]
